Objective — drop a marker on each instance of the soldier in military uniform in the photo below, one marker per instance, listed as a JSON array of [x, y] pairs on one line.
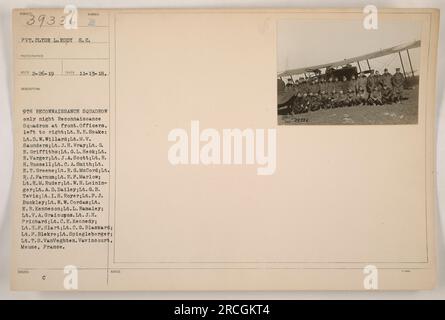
[[386, 78], [325, 100], [361, 81], [315, 87], [397, 82], [337, 85], [335, 97], [362, 96], [323, 85], [299, 88], [379, 80], [351, 98], [371, 82], [310, 99], [308, 86], [375, 97], [344, 84], [330, 86], [342, 99], [305, 103], [387, 95], [304, 86], [353, 84], [316, 102], [297, 104]]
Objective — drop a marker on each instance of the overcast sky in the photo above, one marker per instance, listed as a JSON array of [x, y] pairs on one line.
[[304, 43]]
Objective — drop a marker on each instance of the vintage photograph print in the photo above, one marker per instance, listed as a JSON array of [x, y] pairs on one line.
[[338, 72]]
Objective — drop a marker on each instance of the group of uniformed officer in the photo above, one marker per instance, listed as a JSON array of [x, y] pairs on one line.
[[375, 89]]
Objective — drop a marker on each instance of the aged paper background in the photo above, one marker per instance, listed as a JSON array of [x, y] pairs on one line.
[[254, 186]]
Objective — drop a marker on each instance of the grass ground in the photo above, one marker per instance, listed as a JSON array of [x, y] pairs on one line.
[[404, 113]]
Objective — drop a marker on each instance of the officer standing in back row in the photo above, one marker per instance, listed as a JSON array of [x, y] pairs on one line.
[[397, 82], [371, 82], [361, 81], [387, 79]]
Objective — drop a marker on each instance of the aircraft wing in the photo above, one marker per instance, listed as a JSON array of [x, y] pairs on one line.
[[373, 55]]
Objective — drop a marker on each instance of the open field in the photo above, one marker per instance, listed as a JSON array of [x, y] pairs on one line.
[[404, 113]]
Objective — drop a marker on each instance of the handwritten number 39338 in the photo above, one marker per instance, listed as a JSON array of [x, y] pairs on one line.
[[45, 20]]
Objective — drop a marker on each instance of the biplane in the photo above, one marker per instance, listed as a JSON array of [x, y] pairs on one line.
[[346, 67]]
